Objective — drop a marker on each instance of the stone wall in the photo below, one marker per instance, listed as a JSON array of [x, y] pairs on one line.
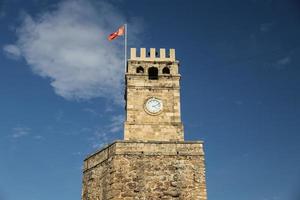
[[140, 125], [130, 170]]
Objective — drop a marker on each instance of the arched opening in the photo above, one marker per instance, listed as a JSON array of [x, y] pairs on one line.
[[140, 70], [153, 73], [166, 70]]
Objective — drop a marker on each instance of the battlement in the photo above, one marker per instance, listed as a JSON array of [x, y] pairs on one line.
[[152, 55]]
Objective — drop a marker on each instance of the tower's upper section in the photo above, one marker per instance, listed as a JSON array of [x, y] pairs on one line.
[[153, 63], [152, 55], [153, 96]]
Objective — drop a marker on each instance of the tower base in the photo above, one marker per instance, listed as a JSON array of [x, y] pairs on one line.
[[145, 170]]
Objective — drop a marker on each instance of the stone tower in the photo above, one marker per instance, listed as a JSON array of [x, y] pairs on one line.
[[153, 161], [153, 97]]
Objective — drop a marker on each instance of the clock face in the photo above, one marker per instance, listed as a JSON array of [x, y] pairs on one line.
[[153, 105]]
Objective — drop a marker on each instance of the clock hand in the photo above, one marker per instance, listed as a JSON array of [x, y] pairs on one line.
[[156, 105]]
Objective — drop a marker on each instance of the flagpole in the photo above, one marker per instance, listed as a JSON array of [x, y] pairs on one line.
[[125, 51]]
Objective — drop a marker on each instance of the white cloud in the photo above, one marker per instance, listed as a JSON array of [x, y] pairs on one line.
[[18, 132], [2, 10], [239, 102], [107, 134], [59, 115], [77, 153], [271, 198], [91, 112], [284, 61], [38, 137], [116, 124], [266, 27], [69, 46], [12, 51]]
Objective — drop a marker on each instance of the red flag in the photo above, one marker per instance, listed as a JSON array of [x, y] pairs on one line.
[[119, 32]]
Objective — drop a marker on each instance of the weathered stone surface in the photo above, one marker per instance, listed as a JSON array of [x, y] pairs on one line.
[[145, 170], [153, 162], [140, 125]]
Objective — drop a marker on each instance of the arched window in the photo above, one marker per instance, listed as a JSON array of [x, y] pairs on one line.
[[153, 73], [140, 70], [166, 70]]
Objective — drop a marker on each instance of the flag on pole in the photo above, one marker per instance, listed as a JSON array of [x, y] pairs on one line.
[[122, 30], [119, 32]]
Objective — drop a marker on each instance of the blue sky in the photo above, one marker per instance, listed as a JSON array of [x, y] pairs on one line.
[[61, 87]]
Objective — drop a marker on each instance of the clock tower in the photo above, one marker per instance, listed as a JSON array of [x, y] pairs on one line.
[[153, 161], [153, 97]]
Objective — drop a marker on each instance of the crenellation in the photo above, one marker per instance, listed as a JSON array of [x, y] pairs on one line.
[[152, 55], [162, 53]]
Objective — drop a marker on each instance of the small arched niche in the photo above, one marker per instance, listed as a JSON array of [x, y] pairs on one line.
[[166, 70], [140, 70], [153, 73]]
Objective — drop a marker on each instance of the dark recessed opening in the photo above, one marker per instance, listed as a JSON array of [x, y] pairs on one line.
[[140, 70], [153, 73], [166, 70]]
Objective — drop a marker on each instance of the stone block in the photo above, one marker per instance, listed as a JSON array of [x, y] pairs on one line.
[[145, 170]]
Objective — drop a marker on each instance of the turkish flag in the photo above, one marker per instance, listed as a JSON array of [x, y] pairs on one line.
[[119, 32]]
